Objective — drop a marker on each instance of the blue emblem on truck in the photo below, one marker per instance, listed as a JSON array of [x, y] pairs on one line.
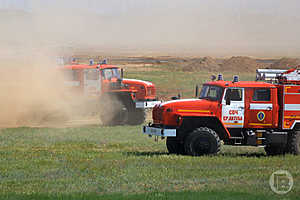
[[261, 116]]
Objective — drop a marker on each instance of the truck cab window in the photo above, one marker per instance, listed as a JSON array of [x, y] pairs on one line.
[[116, 73], [234, 94], [110, 73], [211, 92], [262, 95], [107, 74]]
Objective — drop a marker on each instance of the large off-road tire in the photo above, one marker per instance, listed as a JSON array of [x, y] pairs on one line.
[[202, 141], [274, 150], [136, 117], [174, 146], [293, 144], [116, 113], [119, 118]]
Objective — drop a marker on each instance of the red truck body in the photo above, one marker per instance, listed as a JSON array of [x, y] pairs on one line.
[[130, 96], [237, 112]]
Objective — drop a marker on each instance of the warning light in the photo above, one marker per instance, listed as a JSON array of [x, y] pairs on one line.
[[235, 79]]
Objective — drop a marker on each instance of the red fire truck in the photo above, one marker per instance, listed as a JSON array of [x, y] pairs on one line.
[[249, 113], [121, 101]]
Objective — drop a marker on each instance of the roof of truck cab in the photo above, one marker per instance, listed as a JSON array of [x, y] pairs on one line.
[[248, 84], [86, 66]]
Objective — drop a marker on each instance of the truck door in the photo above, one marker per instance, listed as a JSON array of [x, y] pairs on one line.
[[91, 82], [233, 108], [260, 109]]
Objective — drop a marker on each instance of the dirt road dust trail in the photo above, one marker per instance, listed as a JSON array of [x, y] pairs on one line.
[[33, 94]]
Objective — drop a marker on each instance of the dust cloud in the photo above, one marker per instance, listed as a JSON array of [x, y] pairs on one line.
[[33, 94], [258, 28], [31, 38], [29, 93]]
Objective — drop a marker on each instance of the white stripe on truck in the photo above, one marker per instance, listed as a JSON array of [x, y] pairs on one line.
[[261, 106], [140, 81], [292, 107]]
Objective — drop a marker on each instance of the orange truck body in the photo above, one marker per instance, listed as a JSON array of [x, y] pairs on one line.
[[103, 80], [241, 112]]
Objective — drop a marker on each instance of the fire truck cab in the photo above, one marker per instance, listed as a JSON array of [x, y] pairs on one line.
[[121, 101], [252, 113]]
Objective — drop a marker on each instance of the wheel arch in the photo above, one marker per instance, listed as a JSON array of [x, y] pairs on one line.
[[190, 123], [296, 125]]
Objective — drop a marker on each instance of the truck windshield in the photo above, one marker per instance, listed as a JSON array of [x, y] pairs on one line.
[[211, 92], [110, 73]]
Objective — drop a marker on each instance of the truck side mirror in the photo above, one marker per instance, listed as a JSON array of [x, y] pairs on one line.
[[228, 100], [176, 97], [196, 91], [122, 73]]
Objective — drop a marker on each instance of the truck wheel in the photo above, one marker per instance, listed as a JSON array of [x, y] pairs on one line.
[[272, 150], [293, 145], [136, 117], [174, 146], [202, 141], [116, 114]]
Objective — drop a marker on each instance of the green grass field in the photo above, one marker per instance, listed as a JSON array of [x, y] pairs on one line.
[[119, 162], [94, 162]]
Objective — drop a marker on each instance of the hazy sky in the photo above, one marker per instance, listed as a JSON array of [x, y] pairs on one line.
[[202, 27]]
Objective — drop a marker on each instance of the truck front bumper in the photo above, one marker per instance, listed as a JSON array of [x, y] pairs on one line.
[[163, 132], [146, 104]]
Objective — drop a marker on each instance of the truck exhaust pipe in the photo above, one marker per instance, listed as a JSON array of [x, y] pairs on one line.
[[196, 91], [122, 73]]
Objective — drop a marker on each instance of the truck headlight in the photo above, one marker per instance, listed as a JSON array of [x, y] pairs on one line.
[[179, 118]]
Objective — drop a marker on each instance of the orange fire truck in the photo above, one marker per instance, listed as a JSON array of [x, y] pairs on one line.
[[121, 101], [251, 113]]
